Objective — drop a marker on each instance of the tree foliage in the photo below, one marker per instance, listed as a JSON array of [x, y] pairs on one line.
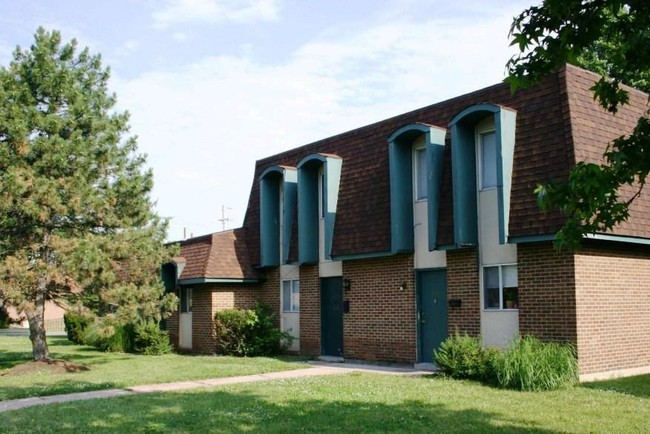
[[611, 38], [75, 213]]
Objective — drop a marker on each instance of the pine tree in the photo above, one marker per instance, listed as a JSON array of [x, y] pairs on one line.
[[75, 208]]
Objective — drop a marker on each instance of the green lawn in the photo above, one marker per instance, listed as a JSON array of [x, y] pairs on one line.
[[347, 403], [110, 370]]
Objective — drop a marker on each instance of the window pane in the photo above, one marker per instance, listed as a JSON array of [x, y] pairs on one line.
[[510, 276], [183, 297], [488, 146], [186, 299], [491, 287], [510, 290], [421, 174], [295, 296], [286, 295]]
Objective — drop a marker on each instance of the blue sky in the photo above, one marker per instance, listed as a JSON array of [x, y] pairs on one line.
[[214, 85]]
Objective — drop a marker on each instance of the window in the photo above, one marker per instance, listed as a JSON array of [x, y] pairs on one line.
[[488, 159], [290, 296], [322, 197], [500, 287], [420, 168], [186, 300]]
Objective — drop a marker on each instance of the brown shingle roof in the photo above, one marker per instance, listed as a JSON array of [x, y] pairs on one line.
[[221, 255], [550, 118]]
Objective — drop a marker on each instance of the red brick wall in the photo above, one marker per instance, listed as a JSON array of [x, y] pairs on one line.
[[546, 292], [309, 311], [613, 308], [463, 284], [203, 337], [171, 324], [269, 292], [381, 323]]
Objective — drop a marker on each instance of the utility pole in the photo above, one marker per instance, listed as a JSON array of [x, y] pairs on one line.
[[223, 218]]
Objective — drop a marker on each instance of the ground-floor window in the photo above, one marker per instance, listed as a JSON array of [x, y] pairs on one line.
[[186, 299], [500, 288], [290, 296]]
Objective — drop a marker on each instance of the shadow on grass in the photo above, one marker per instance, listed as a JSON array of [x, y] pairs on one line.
[[223, 411], [638, 386]]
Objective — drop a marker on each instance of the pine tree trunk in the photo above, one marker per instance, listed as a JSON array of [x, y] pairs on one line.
[[36, 319]]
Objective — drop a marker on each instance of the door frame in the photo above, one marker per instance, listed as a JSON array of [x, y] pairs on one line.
[[418, 303]]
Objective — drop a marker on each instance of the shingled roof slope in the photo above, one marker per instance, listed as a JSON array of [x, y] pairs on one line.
[[221, 255], [593, 128]]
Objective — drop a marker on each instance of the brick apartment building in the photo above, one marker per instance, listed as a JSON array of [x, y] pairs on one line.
[[378, 243]]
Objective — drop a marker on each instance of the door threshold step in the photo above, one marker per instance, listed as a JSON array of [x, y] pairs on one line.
[[331, 359], [426, 367]]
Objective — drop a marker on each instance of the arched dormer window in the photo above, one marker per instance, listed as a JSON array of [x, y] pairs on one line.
[[278, 192], [495, 150], [400, 150], [319, 177]]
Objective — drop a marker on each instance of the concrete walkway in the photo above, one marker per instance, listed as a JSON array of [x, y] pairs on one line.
[[315, 369]]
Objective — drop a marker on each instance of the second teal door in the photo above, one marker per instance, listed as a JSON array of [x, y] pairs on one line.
[[331, 306]]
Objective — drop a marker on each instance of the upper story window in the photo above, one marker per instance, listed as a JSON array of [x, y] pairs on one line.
[[487, 149], [420, 174], [322, 196]]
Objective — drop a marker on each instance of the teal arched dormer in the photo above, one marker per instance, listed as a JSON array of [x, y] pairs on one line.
[[319, 177], [400, 149], [464, 170], [278, 193]]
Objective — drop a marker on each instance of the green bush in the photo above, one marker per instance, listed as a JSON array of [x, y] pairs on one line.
[[76, 325], [151, 340], [530, 364], [117, 338], [462, 356], [245, 332]]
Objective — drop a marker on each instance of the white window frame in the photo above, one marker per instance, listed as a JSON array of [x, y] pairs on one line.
[[294, 295], [480, 134], [417, 188], [502, 301]]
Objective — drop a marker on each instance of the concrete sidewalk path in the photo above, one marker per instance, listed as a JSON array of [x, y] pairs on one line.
[[315, 369]]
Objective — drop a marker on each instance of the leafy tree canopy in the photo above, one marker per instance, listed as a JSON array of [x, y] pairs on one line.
[[75, 213], [611, 38]]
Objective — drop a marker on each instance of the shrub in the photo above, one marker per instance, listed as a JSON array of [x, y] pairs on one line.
[[530, 364], [462, 356], [75, 326], [117, 338], [245, 332], [150, 339]]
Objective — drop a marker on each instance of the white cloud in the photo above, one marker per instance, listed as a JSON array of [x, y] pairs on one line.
[[212, 11], [204, 125], [180, 36]]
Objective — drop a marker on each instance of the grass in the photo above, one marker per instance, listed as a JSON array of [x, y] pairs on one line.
[[348, 403], [117, 370]]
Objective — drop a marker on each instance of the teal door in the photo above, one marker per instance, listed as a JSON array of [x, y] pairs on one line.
[[331, 306], [432, 311]]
